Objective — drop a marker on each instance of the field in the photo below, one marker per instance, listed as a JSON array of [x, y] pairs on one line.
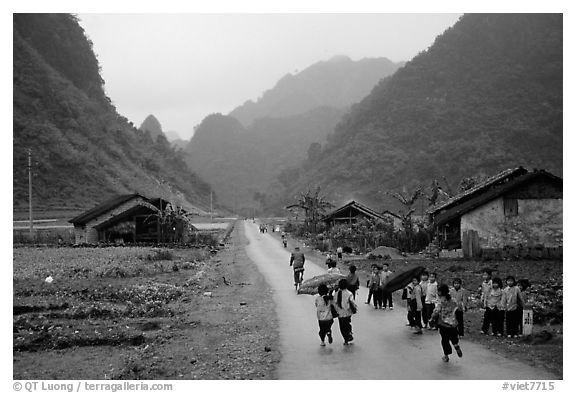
[[134, 312]]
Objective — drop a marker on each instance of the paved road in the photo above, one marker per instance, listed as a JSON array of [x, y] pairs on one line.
[[384, 348]]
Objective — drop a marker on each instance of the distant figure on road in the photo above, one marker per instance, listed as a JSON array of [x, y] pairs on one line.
[[329, 258], [297, 260], [353, 281], [324, 305], [339, 253], [444, 316], [345, 307]]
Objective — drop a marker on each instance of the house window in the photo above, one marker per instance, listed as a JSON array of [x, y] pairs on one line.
[[510, 207]]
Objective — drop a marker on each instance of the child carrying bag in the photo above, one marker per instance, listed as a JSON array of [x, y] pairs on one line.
[[353, 307]]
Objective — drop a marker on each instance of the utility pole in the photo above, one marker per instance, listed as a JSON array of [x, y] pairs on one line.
[[30, 190]]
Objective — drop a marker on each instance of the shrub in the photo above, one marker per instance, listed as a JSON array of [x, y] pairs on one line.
[[161, 255]]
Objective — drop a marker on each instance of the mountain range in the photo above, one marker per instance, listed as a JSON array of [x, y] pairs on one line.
[[83, 150], [486, 96], [241, 153]]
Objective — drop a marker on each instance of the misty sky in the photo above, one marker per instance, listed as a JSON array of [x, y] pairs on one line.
[[182, 67]]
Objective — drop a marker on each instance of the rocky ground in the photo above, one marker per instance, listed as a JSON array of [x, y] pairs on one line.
[[129, 313]]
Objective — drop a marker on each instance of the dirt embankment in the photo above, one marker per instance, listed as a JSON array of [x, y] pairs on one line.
[[177, 319]]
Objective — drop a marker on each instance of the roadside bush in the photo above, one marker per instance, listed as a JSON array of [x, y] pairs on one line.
[[160, 255]]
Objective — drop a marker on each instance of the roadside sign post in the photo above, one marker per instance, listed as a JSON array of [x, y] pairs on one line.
[[527, 321]]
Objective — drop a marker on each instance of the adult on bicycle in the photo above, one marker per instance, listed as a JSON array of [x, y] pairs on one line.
[[297, 260]]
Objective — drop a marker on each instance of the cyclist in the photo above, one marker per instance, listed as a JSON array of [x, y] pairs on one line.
[[297, 260]]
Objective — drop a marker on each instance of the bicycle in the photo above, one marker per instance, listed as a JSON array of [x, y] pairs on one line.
[[298, 277]]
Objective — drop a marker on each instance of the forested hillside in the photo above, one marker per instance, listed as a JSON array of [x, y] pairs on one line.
[[242, 153], [83, 150], [240, 162], [486, 96]]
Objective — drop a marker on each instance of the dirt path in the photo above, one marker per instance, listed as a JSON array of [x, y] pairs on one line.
[[383, 349]]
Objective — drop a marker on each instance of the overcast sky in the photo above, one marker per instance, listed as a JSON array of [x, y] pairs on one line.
[[182, 67]]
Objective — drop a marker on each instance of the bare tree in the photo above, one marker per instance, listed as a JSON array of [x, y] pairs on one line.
[[314, 205], [407, 199]]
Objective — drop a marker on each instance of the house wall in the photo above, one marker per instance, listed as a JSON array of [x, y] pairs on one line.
[[79, 234], [91, 233], [539, 222], [397, 222]]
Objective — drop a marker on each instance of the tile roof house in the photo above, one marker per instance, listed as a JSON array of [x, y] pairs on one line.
[[128, 218], [514, 208], [352, 211]]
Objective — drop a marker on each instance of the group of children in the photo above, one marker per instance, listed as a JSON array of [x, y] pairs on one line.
[[421, 296], [501, 304], [437, 307], [341, 305], [381, 299]]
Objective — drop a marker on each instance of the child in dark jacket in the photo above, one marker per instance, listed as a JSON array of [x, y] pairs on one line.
[[369, 283], [415, 305], [353, 281], [375, 286], [444, 316]]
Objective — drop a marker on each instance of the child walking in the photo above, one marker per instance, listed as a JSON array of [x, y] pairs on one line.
[[460, 297], [512, 305], [444, 316], [345, 307], [431, 299], [324, 304], [415, 306], [493, 313], [369, 284], [424, 286], [353, 281]]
